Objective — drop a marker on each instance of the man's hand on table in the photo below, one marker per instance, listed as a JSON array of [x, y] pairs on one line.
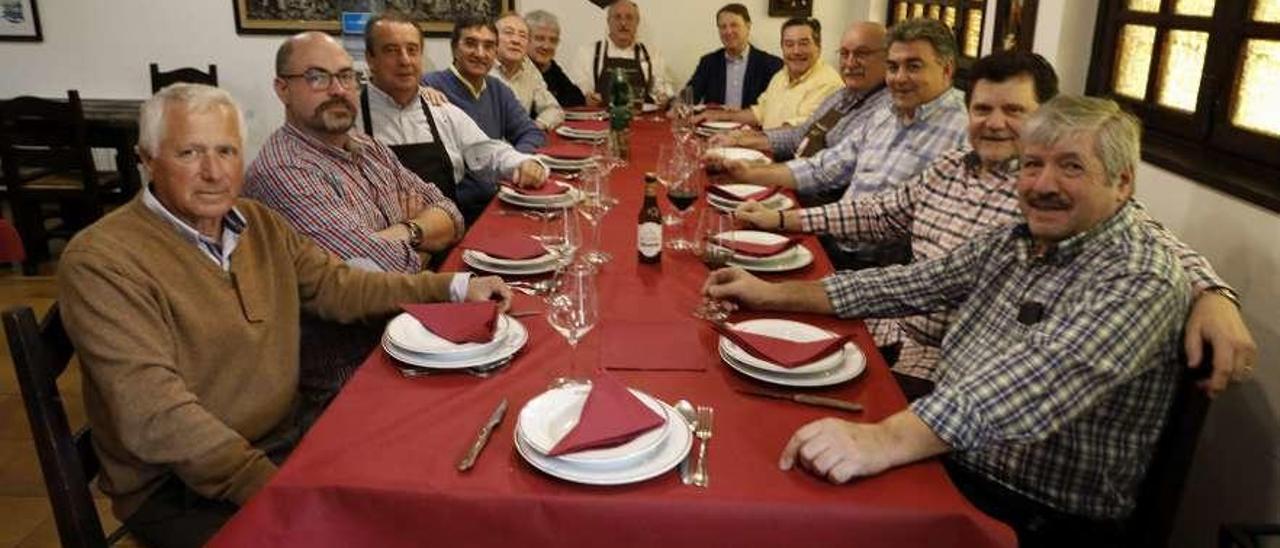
[[756, 215], [749, 138], [489, 288], [1215, 319], [530, 174], [740, 288], [840, 450]]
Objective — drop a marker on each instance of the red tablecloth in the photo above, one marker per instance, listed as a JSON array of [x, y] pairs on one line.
[[378, 468]]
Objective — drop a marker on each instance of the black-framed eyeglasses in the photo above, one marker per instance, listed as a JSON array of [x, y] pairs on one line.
[[320, 79]]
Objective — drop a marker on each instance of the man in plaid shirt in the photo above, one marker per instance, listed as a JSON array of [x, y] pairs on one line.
[[1061, 363], [969, 191]]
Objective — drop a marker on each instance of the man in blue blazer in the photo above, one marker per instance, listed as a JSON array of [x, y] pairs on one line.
[[738, 73]]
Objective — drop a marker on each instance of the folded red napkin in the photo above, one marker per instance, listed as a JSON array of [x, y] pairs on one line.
[[611, 416], [516, 247], [782, 351], [549, 188], [649, 346], [457, 322], [587, 125], [566, 151], [759, 250], [759, 195]]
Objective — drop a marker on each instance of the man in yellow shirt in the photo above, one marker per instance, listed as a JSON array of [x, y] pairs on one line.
[[793, 94]]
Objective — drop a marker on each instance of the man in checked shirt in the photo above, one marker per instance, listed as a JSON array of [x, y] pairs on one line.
[[1061, 363], [969, 191]]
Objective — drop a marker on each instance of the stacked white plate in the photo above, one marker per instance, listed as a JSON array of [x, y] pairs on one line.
[[580, 134], [796, 256], [600, 114], [480, 260], [411, 344], [730, 154], [776, 202], [707, 129], [566, 164], [553, 201], [550, 415], [835, 368]]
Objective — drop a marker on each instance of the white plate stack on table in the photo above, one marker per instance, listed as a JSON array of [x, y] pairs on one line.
[[739, 154], [760, 251], [511, 254], [826, 368], [729, 197], [710, 128], [584, 130], [567, 157], [585, 113], [408, 342], [556, 195], [601, 442]]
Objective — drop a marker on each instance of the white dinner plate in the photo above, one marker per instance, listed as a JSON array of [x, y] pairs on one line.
[[536, 262], [782, 329], [564, 200], [801, 258], [585, 115], [719, 126], [853, 365], [516, 338], [579, 134], [407, 333], [739, 153], [549, 416], [762, 238], [472, 259], [777, 202], [649, 107], [539, 199], [665, 457]]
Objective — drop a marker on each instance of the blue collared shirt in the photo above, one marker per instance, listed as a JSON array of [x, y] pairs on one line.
[[735, 77], [218, 251]]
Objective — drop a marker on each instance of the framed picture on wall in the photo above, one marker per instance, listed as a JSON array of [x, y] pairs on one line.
[[291, 16], [19, 21], [1015, 25], [790, 8]]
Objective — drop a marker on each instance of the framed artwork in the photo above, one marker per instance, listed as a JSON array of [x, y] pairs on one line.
[[790, 8], [435, 17], [19, 21], [1015, 25]]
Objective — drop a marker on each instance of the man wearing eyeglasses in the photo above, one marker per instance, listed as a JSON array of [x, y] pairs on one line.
[[862, 66], [518, 72]]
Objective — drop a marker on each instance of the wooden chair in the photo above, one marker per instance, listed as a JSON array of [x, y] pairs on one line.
[[49, 171], [41, 352], [185, 74], [1152, 521]]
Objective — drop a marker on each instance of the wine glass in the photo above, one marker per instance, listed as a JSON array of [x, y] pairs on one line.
[[682, 192], [596, 203], [573, 308], [713, 245], [561, 234]]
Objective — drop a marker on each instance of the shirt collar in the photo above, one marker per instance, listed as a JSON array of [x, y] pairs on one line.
[[742, 57], [926, 110], [1067, 250], [475, 92], [384, 99], [1007, 169], [233, 222], [803, 77], [353, 147]]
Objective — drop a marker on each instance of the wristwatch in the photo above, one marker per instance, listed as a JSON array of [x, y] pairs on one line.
[[415, 233]]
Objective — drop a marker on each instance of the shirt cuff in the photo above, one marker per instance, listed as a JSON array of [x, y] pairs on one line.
[[802, 171], [951, 416], [814, 220], [458, 287]]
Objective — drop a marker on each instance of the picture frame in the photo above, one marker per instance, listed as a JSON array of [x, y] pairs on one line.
[[1015, 25], [790, 8], [292, 16], [20, 21]]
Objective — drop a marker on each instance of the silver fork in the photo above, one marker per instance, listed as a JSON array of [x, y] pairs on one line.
[[706, 416]]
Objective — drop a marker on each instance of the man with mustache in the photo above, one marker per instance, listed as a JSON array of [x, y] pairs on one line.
[[642, 65], [862, 60], [544, 39], [183, 308], [1060, 368], [518, 72], [969, 191], [793, 94], [736, 74]]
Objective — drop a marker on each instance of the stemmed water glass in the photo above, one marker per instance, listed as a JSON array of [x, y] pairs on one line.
[[713, 246], [596, 203], [561, 235], [573, 308]]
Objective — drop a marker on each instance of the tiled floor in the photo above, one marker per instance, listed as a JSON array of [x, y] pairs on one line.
[[26, 520]]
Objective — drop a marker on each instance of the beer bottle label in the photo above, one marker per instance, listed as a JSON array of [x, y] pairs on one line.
[[650, 239]]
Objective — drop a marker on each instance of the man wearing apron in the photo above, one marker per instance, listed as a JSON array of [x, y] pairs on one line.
[[643, 66]]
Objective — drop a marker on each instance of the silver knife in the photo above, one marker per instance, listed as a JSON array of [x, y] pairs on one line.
[[810, 399], [469, 458]]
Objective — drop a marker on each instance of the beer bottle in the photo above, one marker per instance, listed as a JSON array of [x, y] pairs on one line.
[[649, 238]]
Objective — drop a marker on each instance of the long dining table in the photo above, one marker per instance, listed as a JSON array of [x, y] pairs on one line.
[[378, 467]]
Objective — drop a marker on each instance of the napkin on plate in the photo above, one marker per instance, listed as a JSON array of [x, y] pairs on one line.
[[611, 416], [782, 351], [457, 322], [752, 249], [549, 188], [649, 346], [566, 151], [588, 125], [759, 195], [516, 247]]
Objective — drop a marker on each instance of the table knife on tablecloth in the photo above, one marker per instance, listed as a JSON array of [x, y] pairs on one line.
[[809, 399], [486, 430]]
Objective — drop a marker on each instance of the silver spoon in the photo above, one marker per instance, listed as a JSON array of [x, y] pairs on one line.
[[690, 415]]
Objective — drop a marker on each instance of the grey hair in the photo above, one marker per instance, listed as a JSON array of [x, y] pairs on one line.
[[1118, 134], [542, 18], [194, 98], [931, 30]]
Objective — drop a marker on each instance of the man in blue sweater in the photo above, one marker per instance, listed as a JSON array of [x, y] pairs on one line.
[[486, 99]]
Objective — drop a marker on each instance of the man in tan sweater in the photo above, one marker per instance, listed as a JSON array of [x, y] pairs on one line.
[[183, 306]]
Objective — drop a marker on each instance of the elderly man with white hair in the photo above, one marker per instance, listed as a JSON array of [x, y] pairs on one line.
[[641, 64], [518, 72], [544, 40], [183, 308]]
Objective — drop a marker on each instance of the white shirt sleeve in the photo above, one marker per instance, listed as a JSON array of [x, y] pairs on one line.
[[484, 158]]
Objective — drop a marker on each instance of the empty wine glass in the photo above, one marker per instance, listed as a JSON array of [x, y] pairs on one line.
[[573, 308], [714, 246], [561, 235], [596, 203]]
